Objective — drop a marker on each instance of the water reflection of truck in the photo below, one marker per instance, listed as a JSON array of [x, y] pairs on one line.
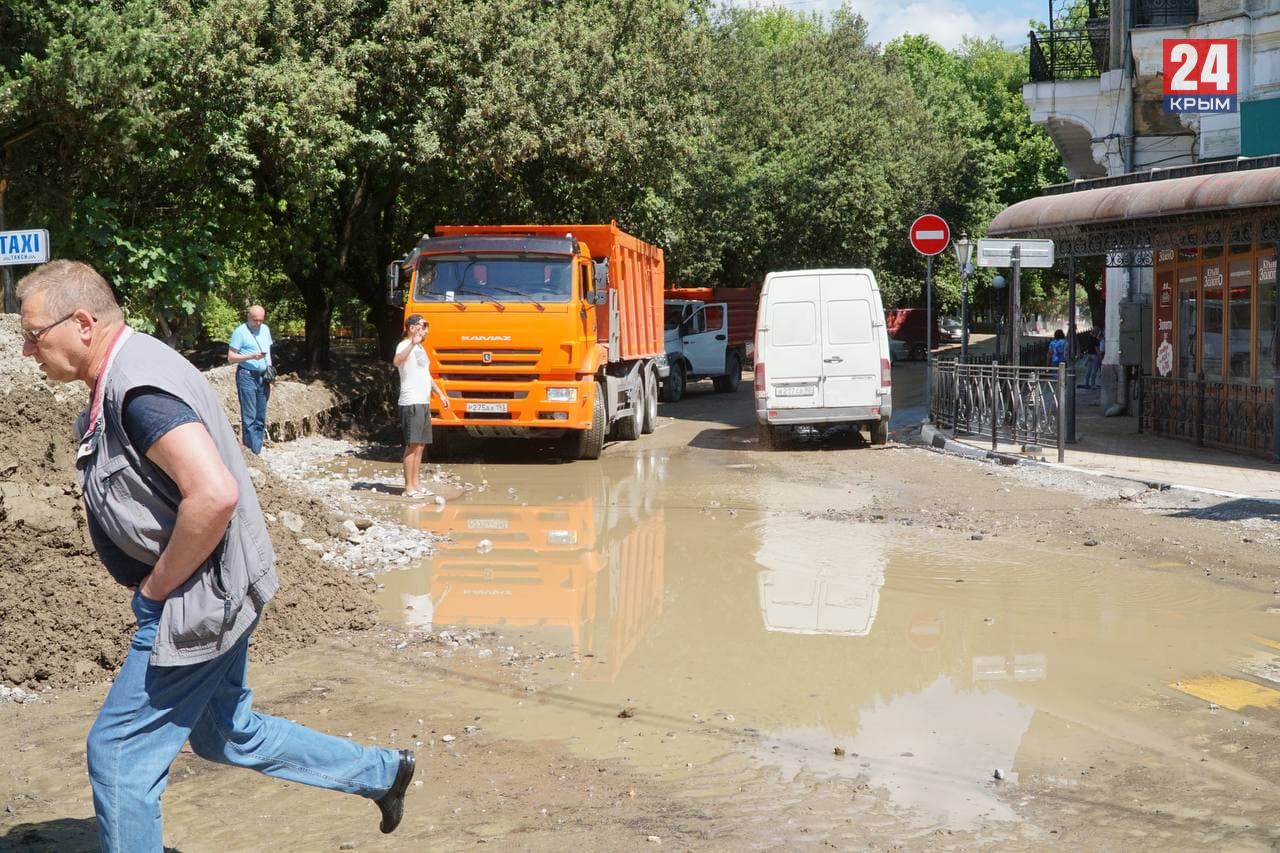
[[539, 331], [591, 577]]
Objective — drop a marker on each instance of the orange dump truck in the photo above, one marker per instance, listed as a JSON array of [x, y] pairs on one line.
[[539, 331]]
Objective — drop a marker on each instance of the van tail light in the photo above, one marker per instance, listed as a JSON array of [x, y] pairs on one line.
[[886, 373], [760, 384]]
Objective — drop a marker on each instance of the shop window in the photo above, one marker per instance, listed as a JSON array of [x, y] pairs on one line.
[[1188, 315], [1240, 321], [1266, 318], [1211, 252], [1211, 339]]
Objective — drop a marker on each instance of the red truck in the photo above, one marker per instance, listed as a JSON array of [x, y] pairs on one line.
[[908, 325]]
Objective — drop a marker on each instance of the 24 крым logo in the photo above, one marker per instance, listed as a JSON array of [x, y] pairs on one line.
[[1200, 75]]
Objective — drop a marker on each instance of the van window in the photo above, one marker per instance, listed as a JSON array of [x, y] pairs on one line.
[[792, 325], [849, 321]]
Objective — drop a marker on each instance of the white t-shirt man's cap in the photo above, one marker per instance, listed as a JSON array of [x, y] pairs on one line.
[[415, 376]]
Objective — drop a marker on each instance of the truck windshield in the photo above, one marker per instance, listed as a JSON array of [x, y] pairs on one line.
[[499, 278], [671, 316]]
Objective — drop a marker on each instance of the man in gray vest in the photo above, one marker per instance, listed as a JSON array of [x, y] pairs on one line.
[[174, 516]]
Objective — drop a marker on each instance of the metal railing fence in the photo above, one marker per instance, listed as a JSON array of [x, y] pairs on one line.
[[1022, 405]]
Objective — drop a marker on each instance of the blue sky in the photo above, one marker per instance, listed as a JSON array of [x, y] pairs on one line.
[[945, 20]]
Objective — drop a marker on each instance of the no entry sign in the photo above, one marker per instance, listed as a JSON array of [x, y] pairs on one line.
[[929, 234]]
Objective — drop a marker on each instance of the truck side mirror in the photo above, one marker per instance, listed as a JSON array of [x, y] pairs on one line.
[[395, 295], [600, 270], [599, 296]]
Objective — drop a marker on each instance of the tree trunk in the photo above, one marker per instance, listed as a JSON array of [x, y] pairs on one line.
[[318, 302]]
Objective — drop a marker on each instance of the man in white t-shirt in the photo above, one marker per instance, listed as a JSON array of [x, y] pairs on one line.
[[416, 384]]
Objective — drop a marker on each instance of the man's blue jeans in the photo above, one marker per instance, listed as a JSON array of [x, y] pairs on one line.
[[151, 711], [253, 407]]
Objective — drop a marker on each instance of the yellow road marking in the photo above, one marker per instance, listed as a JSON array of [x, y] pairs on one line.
[[1271, 644], [1233, 693]]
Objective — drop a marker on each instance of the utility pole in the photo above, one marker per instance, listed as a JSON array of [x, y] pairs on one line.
[[6, 275]]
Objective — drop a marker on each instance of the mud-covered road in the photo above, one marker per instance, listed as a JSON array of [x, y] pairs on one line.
[[698, 644]]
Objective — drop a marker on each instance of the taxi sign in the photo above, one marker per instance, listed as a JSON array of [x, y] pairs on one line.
[[24, 247]]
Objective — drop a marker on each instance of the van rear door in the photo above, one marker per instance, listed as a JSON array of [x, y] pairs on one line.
[[850, 351], [794, 358]]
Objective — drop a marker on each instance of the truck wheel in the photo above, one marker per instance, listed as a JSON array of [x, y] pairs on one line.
[[628, 429], [650, 422], [732, 378], [673, 388], [918, 352], [588, 443], [879, 432]]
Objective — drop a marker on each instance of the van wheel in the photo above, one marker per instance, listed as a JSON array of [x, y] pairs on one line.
[[588, 443], [650, 422], [879, 432], [732, 378], [673, 388], [629, 428]]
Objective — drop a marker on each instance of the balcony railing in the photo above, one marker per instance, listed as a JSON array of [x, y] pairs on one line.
[[1165, 13], [1076, 53]]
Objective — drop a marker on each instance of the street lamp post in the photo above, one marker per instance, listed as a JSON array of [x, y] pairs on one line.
[[997, 282], [963, 249]]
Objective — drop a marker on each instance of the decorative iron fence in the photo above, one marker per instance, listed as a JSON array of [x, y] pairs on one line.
[[1221, 414], [1074, 53], [1165, 13], [1023, 405]]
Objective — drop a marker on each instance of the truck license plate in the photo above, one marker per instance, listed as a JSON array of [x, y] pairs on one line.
[[487, 408], [794, 390], [486, 524]]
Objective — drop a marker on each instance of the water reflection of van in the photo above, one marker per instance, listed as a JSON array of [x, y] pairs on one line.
[[830, 584], [560, 568]]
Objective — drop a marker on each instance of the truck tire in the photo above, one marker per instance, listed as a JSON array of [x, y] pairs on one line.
[[879, 432], [732, 378], [588, 443], [440, 443], [650, 422], [628, 428], [673, 388], [919, 351]]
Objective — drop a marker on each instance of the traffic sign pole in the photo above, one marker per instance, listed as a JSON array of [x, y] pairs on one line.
[[928, 331], [6, 277]]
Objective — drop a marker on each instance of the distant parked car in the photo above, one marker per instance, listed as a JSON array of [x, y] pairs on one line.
[[952, 331]]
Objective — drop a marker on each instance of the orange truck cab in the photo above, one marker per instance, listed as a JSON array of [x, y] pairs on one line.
[[539, 331]]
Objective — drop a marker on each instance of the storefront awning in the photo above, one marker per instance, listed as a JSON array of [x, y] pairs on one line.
[[1129, 203]]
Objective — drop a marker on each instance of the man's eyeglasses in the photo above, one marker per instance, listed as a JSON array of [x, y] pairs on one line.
[[33, 336]]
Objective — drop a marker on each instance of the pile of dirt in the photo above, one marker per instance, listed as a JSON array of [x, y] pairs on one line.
[[63, 620]]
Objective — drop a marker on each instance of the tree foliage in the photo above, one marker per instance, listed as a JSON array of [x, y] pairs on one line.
[[210, 153]]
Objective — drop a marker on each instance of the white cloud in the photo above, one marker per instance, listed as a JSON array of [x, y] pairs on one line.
[[944, 22]]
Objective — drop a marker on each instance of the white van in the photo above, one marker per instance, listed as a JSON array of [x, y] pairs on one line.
[[822, 353]]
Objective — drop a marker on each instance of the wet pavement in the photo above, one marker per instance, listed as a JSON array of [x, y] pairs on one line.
[[736, 617]]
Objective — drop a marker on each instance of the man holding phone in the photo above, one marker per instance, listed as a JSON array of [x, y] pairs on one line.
[[250, 350], [416, 384]]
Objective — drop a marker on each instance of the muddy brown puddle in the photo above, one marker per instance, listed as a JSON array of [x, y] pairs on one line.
[[739, 631]]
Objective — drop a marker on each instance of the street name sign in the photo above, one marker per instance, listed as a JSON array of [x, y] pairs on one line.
[[929, 234], [1035, 254], [24, 247]]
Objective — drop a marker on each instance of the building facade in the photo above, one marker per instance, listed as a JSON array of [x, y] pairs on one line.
[[1188, 225]]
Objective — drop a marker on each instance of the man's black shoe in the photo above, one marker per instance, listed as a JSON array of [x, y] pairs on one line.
[[391, 804]]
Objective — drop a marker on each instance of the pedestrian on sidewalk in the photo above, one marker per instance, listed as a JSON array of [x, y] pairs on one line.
[[250, 351], [416, 384], [1094, 365], [1058, 349], [173, 515]]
